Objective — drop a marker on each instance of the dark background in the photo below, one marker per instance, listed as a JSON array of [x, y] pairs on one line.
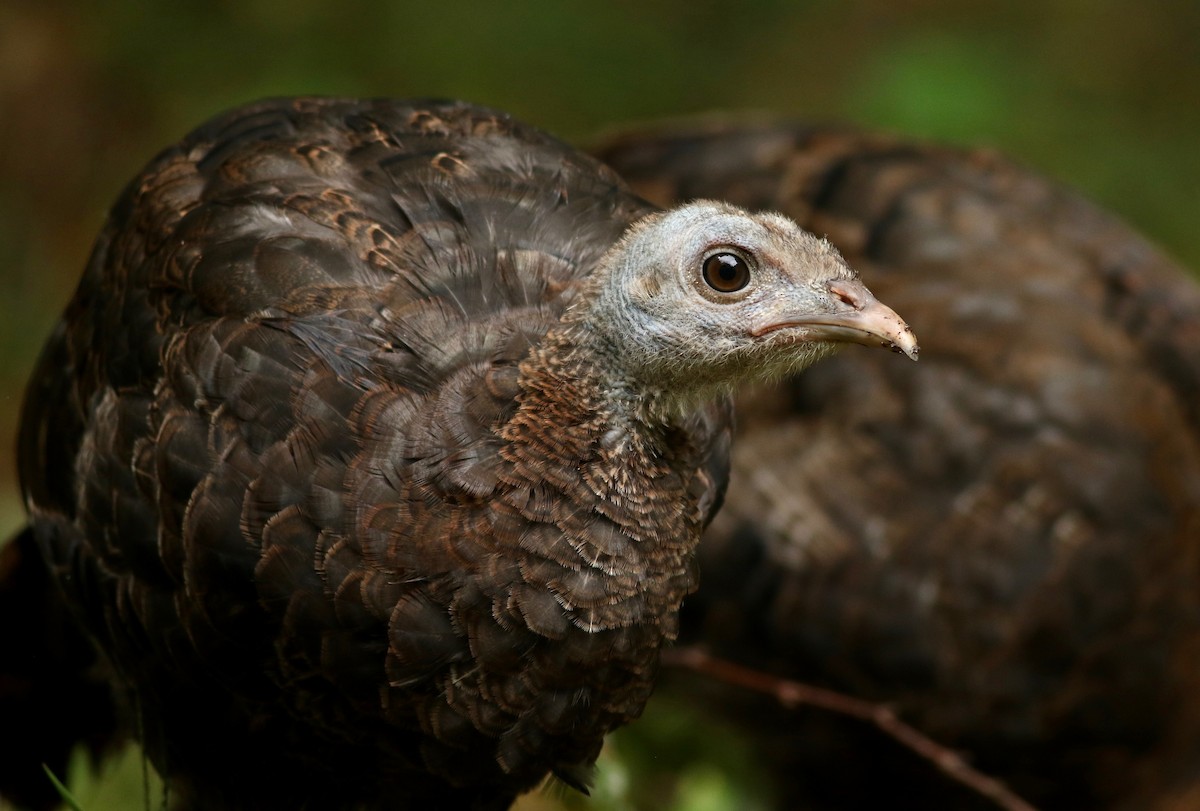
[[1103, 94]]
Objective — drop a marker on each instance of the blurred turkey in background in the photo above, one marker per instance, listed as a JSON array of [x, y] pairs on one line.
[[1001, 546]]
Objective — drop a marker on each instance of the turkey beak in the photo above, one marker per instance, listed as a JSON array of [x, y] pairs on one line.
[[867, 321], [861, 319]]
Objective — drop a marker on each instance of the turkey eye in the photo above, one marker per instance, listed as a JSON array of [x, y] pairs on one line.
[[726, 272]]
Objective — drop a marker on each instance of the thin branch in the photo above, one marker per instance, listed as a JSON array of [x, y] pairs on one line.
[[793, 694]]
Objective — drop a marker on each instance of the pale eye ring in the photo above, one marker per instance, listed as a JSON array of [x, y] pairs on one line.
[[726, 272]]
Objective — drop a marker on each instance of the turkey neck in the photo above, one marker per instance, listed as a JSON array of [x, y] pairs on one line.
[[617, 478]]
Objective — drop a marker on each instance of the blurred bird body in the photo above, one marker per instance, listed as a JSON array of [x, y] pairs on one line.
[[1001, 543]]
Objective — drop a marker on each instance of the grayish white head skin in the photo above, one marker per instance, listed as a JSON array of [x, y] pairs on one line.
[[694, 301]]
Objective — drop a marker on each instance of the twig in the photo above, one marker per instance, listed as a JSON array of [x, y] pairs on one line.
[[792, 694]]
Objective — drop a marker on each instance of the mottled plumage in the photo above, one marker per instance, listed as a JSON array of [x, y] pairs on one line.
[[357, 453], [1001, 543]]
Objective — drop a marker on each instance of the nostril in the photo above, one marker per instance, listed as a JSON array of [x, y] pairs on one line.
[[846, 295]]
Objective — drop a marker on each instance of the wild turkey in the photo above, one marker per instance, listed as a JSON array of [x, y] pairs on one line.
[[1001, 543], [375, 445]]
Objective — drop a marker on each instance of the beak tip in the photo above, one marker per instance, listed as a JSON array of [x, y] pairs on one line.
[[906, 344]]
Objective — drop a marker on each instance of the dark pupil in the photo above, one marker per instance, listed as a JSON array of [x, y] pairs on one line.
[[726, 272]]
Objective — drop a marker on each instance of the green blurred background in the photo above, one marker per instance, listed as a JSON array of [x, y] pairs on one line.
[[1103, 94]]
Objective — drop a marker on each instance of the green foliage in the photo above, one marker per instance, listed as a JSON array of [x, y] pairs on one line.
[[69, 800], [126, 782], [674, 759]]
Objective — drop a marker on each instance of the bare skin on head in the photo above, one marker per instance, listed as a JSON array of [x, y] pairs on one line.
[[697, 300]]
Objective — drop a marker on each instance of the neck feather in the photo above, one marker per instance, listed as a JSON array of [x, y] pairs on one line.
[[574, 390]]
